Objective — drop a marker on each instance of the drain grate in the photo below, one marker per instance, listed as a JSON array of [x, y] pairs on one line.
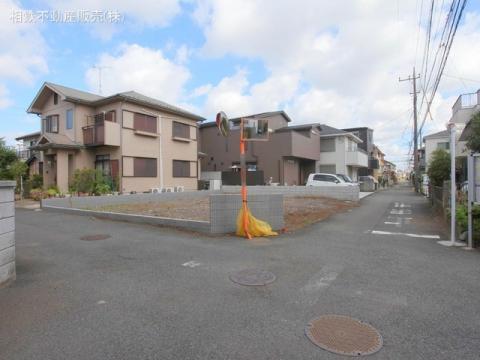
[[252, 277], [95, 237], [344, 335]]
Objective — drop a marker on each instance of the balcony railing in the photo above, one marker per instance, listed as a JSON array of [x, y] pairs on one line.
[[357, 158], [24, 154], [466, 101], [102, 133]]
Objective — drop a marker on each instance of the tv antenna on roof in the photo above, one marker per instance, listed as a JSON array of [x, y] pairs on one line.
[[100, 68]]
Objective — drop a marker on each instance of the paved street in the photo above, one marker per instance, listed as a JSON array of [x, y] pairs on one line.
[[152, 293]]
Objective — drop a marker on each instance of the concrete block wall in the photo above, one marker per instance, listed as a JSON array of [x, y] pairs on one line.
[[92, 202], [224, 209], [350, 193], [7, 232]]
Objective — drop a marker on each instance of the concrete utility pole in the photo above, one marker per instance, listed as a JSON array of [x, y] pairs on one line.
[[415, 125]]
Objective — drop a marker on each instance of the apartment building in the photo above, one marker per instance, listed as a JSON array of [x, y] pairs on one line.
[[341, 153], [138, 141], [287, 158]]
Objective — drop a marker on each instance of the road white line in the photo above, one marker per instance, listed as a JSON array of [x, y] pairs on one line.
[[392, 223], [400, 212], [191, 264], [378, 232]]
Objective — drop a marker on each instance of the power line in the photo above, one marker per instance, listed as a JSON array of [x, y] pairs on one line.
[[459, 10]]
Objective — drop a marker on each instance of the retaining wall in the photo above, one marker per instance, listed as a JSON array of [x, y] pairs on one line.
[[351, 193], [224, 209], [7, 232], [98, 201]]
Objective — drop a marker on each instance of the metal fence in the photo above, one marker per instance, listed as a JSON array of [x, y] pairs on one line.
[[440, 197]]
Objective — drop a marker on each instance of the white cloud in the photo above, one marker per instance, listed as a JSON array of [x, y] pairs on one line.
[[141, 69], [236, 96], [349, 56], [22, 49]]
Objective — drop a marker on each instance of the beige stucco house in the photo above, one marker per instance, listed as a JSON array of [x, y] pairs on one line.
[[140, 142]]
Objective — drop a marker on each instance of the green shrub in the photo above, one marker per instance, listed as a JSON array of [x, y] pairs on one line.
[[36, 181], [91, 181], [439, 167], [462, 219], [101, 189], [84, 181]]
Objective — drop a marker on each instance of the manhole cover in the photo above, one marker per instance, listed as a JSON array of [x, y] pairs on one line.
[[95, 237], [252, 277], [344, 335]]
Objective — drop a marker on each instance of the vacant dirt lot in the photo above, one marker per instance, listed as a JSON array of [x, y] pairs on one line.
[[299, 211]]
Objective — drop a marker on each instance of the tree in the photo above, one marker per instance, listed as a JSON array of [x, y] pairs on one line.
[[8, 157], [439, 167], [473, 140]]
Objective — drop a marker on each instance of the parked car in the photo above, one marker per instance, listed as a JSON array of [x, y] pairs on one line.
[[320, 179], [345, 178]]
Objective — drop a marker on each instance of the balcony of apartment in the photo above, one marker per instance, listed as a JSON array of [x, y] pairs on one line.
[[357, 158], [102, 133], [465, 106]]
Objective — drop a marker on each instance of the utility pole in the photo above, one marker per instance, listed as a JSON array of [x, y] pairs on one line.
[[414, 78]]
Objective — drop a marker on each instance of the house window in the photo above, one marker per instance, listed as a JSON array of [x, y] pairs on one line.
[[443, 145], [181, 168], [105, 116], [145, 123], [327, 145], [69, 119], [50, 124], [102, 163], [55, 98], [181, 130], [144, 167]]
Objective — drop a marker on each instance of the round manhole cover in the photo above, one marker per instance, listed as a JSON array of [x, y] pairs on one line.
[[252, 277], [95, 237], [344, 335]]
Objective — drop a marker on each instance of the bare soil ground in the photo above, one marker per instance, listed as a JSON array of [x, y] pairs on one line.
[[299, 211]]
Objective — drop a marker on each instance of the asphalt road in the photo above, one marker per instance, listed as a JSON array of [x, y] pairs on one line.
[[153, 293]]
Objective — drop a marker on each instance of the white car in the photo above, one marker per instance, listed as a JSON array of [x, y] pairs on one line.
[[321, 179]]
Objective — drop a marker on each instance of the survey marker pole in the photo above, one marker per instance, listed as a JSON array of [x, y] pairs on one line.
[[243, 177]]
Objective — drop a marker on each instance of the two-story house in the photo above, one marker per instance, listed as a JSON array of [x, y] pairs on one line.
[[287, 158], [138, 141], [33, 158], [341, 153]]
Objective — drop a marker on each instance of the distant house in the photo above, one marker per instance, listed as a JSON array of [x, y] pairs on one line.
[[33, 158], [367, 144], [377, 158], [341, 153], [287, 158], [438, 140], [138, 141]]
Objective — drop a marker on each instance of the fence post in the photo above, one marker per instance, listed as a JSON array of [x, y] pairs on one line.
[[7, 232]]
